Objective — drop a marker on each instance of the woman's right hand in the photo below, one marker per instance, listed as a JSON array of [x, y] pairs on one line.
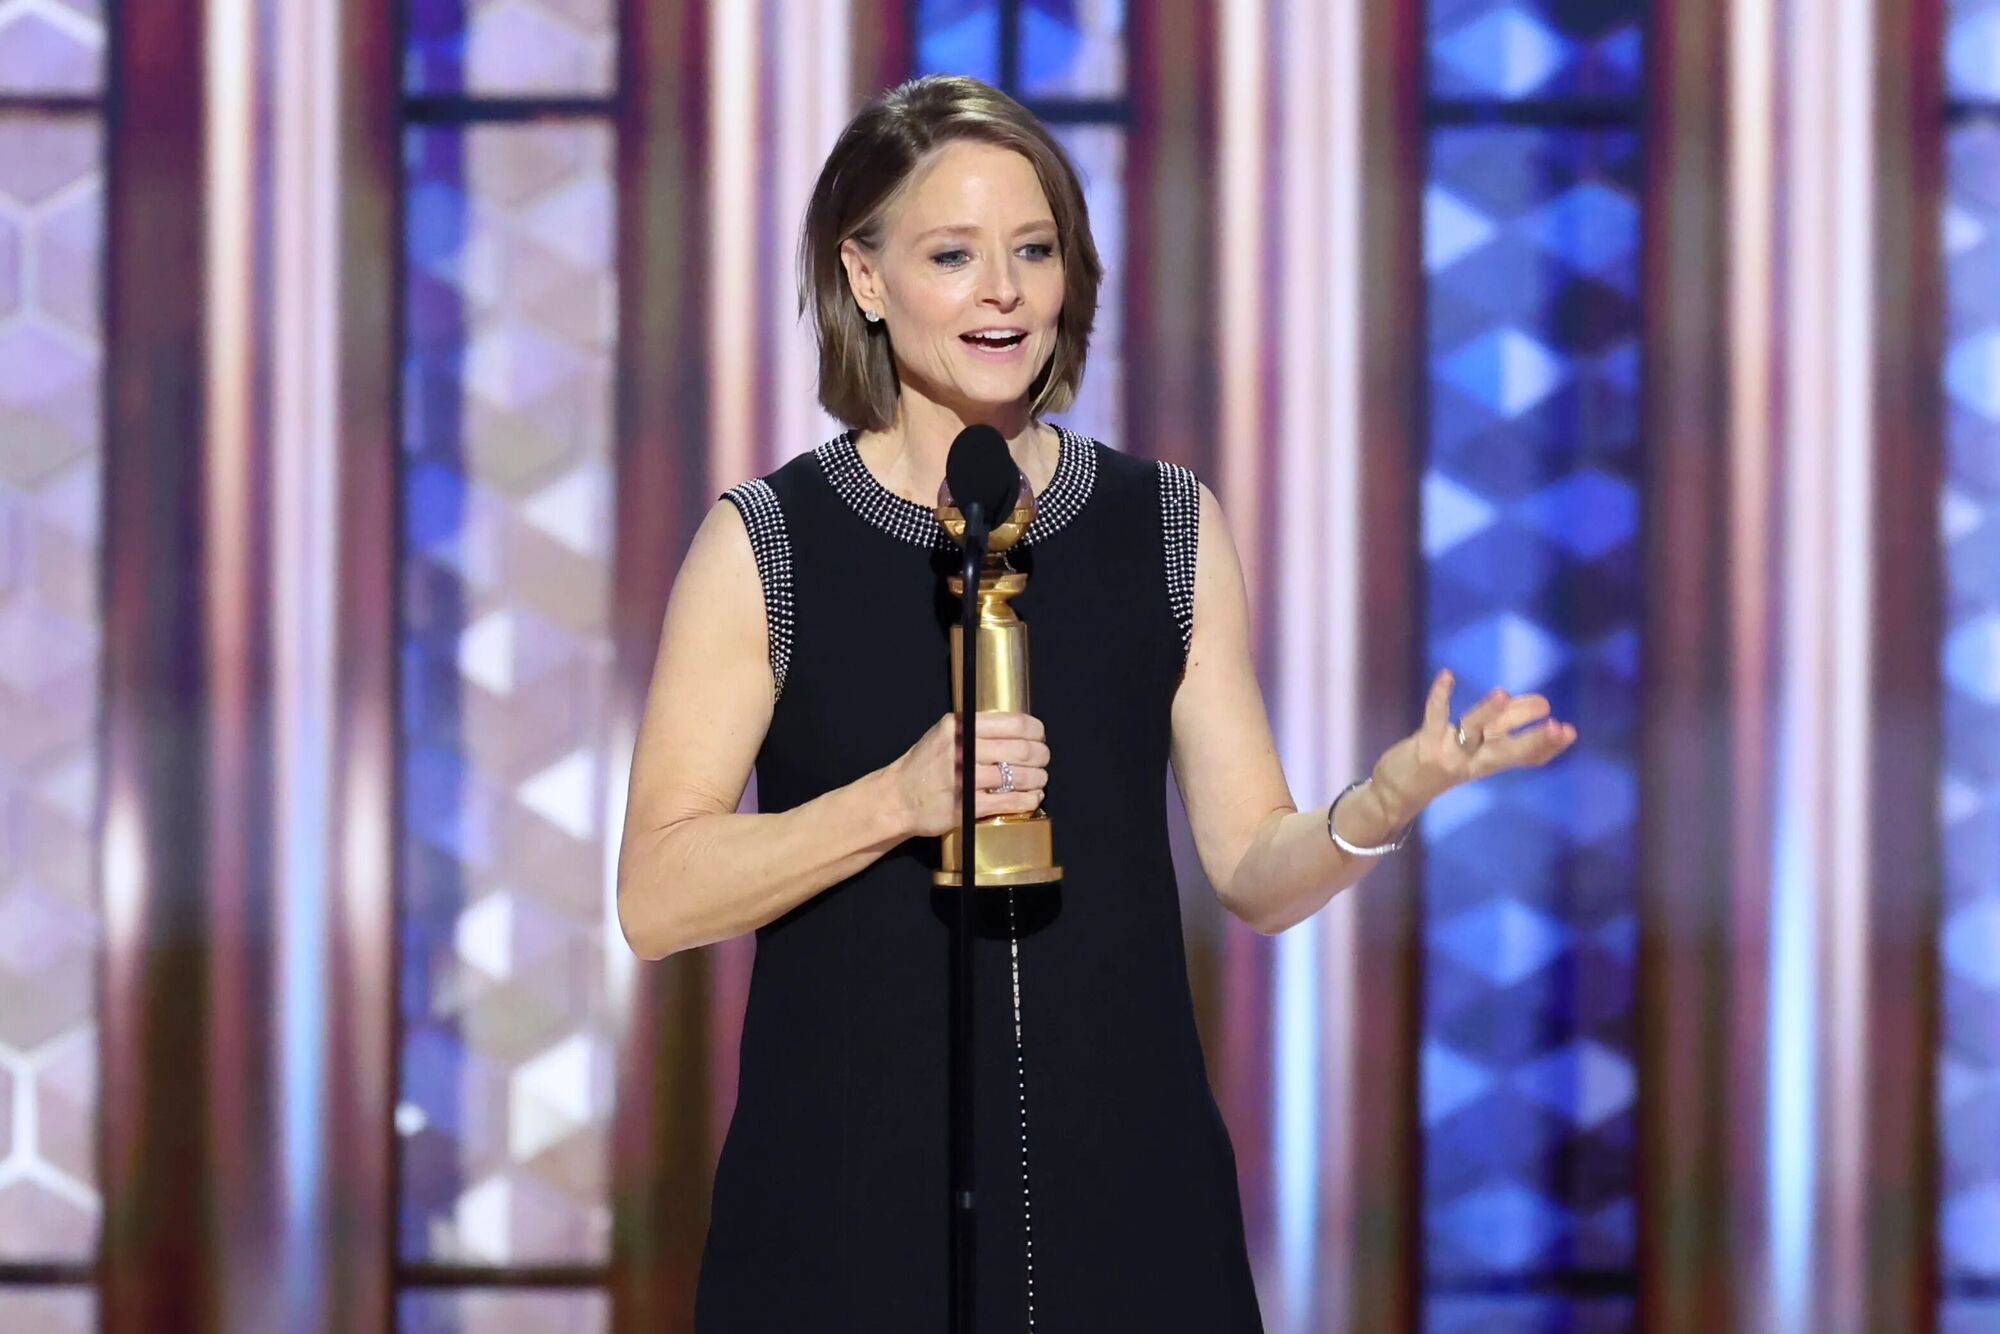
[[925, 778]]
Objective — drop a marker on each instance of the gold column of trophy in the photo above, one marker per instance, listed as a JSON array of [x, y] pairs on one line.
[[1013, 849]]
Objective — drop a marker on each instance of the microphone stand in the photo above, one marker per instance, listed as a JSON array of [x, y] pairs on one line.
[[964, 1216]]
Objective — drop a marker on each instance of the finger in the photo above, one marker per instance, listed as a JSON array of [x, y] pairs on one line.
[[1536, 746], [987, 777], [1006, 803], [1480, 717], [1518, 712], [1004, 723], [1501, 713], [1015, 750], [1437, 708]]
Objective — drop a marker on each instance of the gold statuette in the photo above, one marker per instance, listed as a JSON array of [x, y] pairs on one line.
[[1013, 849]]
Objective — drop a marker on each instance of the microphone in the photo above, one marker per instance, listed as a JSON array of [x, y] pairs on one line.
[[981, 477], [977, 506]]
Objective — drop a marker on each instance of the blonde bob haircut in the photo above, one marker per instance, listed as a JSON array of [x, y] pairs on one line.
[[875, 161]]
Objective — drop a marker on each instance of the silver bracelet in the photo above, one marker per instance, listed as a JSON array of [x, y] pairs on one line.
[[1349, 848]]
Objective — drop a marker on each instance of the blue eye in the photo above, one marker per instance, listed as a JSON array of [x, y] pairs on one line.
[[951, 259]]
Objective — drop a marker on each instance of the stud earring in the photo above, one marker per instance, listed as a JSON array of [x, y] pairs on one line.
[[873, 317]]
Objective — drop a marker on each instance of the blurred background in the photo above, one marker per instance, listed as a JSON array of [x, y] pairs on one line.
[[366, 366]]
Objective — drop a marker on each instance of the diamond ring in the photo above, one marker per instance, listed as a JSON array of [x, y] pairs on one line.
[[1006, 777]]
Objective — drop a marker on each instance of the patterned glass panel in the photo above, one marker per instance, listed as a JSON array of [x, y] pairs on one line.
[[1099, 154], [1969, 1317], [507, 1045], [51, 46], [959, 37], [49, 1310], [1969, 1064], [1972, 49], [1506, 50], [51, 463], [498, 1311], [522, 48], [1530, 1315], [1530, 521], [1073, 48]]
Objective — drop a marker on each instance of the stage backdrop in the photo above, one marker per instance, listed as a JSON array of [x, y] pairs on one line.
[[365, 369]]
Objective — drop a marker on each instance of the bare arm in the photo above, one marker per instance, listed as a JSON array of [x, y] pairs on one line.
[[1271, 864], [690, 869]]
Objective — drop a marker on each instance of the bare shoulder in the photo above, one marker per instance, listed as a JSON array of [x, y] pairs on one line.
[[1221, 607], [1223, 754], [711, 696], [717, 597]]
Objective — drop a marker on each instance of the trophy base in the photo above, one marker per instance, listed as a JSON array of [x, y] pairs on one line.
[[1013, 850]]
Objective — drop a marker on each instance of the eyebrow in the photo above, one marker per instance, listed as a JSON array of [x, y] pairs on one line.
[[964, 229]]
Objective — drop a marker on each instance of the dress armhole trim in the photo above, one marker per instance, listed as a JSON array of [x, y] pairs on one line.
[[1180, 514], [764, 518]]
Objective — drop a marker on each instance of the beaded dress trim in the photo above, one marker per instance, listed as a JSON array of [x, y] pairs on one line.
[[907, 521], [1180, 510], [769, 542]]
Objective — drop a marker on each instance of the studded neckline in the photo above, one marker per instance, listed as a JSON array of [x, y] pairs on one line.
[[1057, 503]]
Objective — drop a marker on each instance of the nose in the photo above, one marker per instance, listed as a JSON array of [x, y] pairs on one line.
[[1002, 288]]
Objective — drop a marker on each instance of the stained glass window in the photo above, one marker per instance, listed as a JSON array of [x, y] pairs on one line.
[[510, 303], [51, 473], [1530, 526], [1969, 798], [1066, 61]]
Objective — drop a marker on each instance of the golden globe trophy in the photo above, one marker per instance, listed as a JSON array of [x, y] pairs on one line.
[[1016, 848]]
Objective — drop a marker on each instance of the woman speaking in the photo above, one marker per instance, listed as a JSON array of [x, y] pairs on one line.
[[949, 269]]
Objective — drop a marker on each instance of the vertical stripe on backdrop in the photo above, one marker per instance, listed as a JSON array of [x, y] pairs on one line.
[[780, 90]]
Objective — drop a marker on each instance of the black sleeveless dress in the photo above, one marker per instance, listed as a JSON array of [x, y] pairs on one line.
[[1107, 1193]]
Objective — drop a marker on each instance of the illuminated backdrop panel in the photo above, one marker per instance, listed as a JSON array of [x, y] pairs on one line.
[[51, 473], [517, 48], [1969, 805], [507, 1043], [52, 46], [1530, 514]]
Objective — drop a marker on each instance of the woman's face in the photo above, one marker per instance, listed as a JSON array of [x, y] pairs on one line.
[[970, 249]]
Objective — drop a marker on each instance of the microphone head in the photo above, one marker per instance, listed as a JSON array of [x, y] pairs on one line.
[[979, 471]]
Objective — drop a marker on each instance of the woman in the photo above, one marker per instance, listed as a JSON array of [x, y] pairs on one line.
[[948, 264]]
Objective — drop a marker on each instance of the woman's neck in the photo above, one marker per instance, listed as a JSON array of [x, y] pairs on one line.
[[908, 456]]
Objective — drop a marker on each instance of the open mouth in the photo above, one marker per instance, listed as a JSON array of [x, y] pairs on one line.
[[992, 342]]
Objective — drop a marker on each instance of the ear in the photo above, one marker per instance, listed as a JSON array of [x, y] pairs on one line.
[[864, 281]]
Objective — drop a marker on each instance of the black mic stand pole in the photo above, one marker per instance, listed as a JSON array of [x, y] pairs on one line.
[[964, 1215]]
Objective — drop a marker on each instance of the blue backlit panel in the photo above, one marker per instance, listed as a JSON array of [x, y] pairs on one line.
[[51, 47], [505, 1095], [1073, 48], [1064, 49], [959, 37], [511, 48], [1530, 1315], [1530, 537], [1511, 50], [1972, 49], [503, 1311], [1969, 804]]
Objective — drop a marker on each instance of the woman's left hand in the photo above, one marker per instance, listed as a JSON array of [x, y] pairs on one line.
[[1429, 762]]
